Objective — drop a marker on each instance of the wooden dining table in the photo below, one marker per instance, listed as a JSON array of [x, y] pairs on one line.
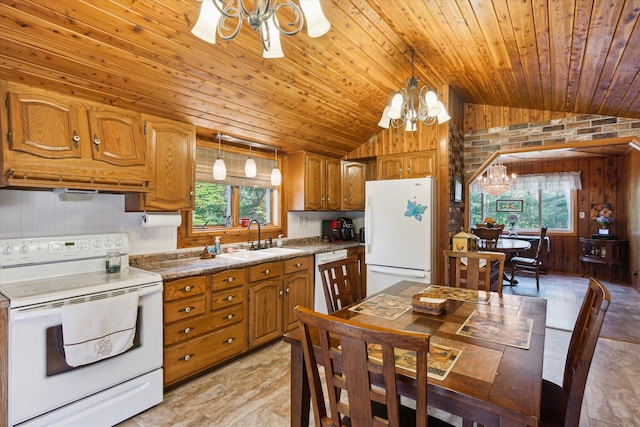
[[491, 383], [510, 247]]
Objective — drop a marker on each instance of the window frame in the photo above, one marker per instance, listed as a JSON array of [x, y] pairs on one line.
[[190, 236]]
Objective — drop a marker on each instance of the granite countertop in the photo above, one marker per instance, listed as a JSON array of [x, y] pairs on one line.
[[187, 262]]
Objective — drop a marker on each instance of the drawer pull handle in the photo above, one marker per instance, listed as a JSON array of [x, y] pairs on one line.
[[187, 357], [229, 341], [186, 330], [267, 271], [231, 279], [229, 317], [186, 289], [298, 264], [229, 298], [187, 309]]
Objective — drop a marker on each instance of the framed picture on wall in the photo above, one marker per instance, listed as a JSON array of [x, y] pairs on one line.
[[457, 189], [509, 205]]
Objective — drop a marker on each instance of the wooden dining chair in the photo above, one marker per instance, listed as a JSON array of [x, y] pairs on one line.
[[474, 270], [342, 283], [488, 236], [530, 264], [367, 385], [561, 405]]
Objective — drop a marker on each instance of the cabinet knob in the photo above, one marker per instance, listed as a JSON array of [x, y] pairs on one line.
[[187, 330], [187, 357], [229, 317], [96, 141], [281, 293], [186, 289], [186, 309], [231, 279], [229, 341], [298, 264], [75, 138], [229, 298], [288, 290], [267, 271]]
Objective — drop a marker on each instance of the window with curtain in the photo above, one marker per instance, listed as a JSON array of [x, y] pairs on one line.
[[224, 203], [548, 200]]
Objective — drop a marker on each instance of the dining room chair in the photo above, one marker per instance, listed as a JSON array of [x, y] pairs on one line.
[[469, 270], [561, 405], [360, 372], [534, 265], [488, 237], [342, 283]]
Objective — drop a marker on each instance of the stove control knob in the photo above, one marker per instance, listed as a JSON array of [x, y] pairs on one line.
[[118, 241], [24, 249], [8, 249], [97, 244], [107, 242]]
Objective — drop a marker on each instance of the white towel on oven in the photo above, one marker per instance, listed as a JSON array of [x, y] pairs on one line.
[[99, 329]]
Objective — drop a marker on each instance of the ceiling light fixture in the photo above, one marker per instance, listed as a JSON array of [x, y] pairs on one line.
[[219, 168], [276, 176], [497, 182], [411, 105], [250, 169], [226, 17]]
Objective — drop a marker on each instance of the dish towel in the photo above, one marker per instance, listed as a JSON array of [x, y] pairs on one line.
[[99, 329]]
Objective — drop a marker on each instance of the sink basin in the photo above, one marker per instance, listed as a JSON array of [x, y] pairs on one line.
[[246, 255], [281, 251]]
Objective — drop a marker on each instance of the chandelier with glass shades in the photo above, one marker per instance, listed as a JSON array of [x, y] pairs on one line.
[[413, 104], [225, 18], [496, 182], [219, 169]]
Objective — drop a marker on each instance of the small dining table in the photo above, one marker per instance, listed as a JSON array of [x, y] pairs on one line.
[[493, 383]]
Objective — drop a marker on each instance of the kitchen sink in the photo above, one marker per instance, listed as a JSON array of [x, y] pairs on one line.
[[246, 255], [281, 251]]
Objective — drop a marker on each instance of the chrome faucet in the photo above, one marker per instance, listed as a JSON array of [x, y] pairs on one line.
[[249, 228]]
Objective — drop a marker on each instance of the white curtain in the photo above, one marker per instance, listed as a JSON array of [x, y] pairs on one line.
[[549, 181]]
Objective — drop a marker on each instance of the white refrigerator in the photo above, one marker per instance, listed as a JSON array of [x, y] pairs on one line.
[[400, 238]]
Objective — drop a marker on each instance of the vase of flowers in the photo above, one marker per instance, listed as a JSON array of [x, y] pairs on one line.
[[489, 222], [604, 221]]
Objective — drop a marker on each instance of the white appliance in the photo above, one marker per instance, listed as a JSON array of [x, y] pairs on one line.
[[40, 276], [319, 300], [400, 236]]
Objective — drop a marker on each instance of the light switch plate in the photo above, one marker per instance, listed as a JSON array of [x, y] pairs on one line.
[[582, 215]]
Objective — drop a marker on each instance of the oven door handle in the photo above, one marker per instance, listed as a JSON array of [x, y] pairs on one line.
[[20, 314]]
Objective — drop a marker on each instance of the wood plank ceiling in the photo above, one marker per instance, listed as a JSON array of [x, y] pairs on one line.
[[328, 93]]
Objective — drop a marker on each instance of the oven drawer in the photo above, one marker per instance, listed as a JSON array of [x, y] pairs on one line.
[[190, 328], [229, 278], [296, 264], [266, 270], [186, 287], [227, 298], [184, 308], [184, 360]]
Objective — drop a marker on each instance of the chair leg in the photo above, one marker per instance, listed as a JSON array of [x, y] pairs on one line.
[[513, 272], [537, 278]]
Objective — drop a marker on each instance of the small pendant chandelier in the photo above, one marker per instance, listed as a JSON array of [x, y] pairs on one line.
[[250, 168], [496, 182], [219, 168], [276, 176]]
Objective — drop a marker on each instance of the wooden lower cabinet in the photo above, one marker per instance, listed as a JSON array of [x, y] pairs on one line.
[[205, 317]]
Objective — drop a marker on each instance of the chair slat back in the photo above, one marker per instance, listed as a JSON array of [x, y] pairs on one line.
[[342, 283], [582, 346], [543, 233], [350, 370], [466, 271]]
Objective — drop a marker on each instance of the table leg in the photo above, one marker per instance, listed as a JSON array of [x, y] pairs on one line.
[[300, 394]]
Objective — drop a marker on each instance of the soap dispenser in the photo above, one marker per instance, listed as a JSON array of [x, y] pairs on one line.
[[217, 243], [279, 241]]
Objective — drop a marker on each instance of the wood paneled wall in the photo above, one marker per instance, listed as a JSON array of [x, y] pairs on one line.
[[629, 201], [480, 116]]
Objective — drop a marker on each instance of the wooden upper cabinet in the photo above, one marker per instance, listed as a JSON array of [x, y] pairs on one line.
[[57, 141], [43, 126], [407, 165], [353, 185], [172, 148], [116, 137], [313, 182]]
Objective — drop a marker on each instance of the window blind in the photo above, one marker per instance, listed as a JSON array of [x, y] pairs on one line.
[[206, 157]]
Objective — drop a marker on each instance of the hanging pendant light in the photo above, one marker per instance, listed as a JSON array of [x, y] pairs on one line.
[[276, 176], [219, 168], [496, 182], [250, 168]]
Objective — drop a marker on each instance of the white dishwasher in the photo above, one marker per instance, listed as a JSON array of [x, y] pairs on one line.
[[319, 301]]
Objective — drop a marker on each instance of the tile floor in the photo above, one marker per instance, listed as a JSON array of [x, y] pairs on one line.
[[254, 391]]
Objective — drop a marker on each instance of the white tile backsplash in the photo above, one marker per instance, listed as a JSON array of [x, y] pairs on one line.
[[309, 224], [25, 213]]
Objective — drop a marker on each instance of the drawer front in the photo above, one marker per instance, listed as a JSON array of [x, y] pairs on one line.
[[296, 264], [186, 287], [191, 328], [265, 271], [184, 308], [229, 278], [230, 297], [184, 360]]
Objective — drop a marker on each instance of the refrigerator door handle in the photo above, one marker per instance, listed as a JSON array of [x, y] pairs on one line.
[[392, 271], [367, 225]]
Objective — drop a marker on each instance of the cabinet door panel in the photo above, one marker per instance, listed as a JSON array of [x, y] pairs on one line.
[[353, 185], [265, 308], [44, 126], [297, 291], [314, 182], [332, 182], [390, 167], [419, 165], [116, 137]]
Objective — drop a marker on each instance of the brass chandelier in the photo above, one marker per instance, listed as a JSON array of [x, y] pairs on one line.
[[496, 182], [225, 18]]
